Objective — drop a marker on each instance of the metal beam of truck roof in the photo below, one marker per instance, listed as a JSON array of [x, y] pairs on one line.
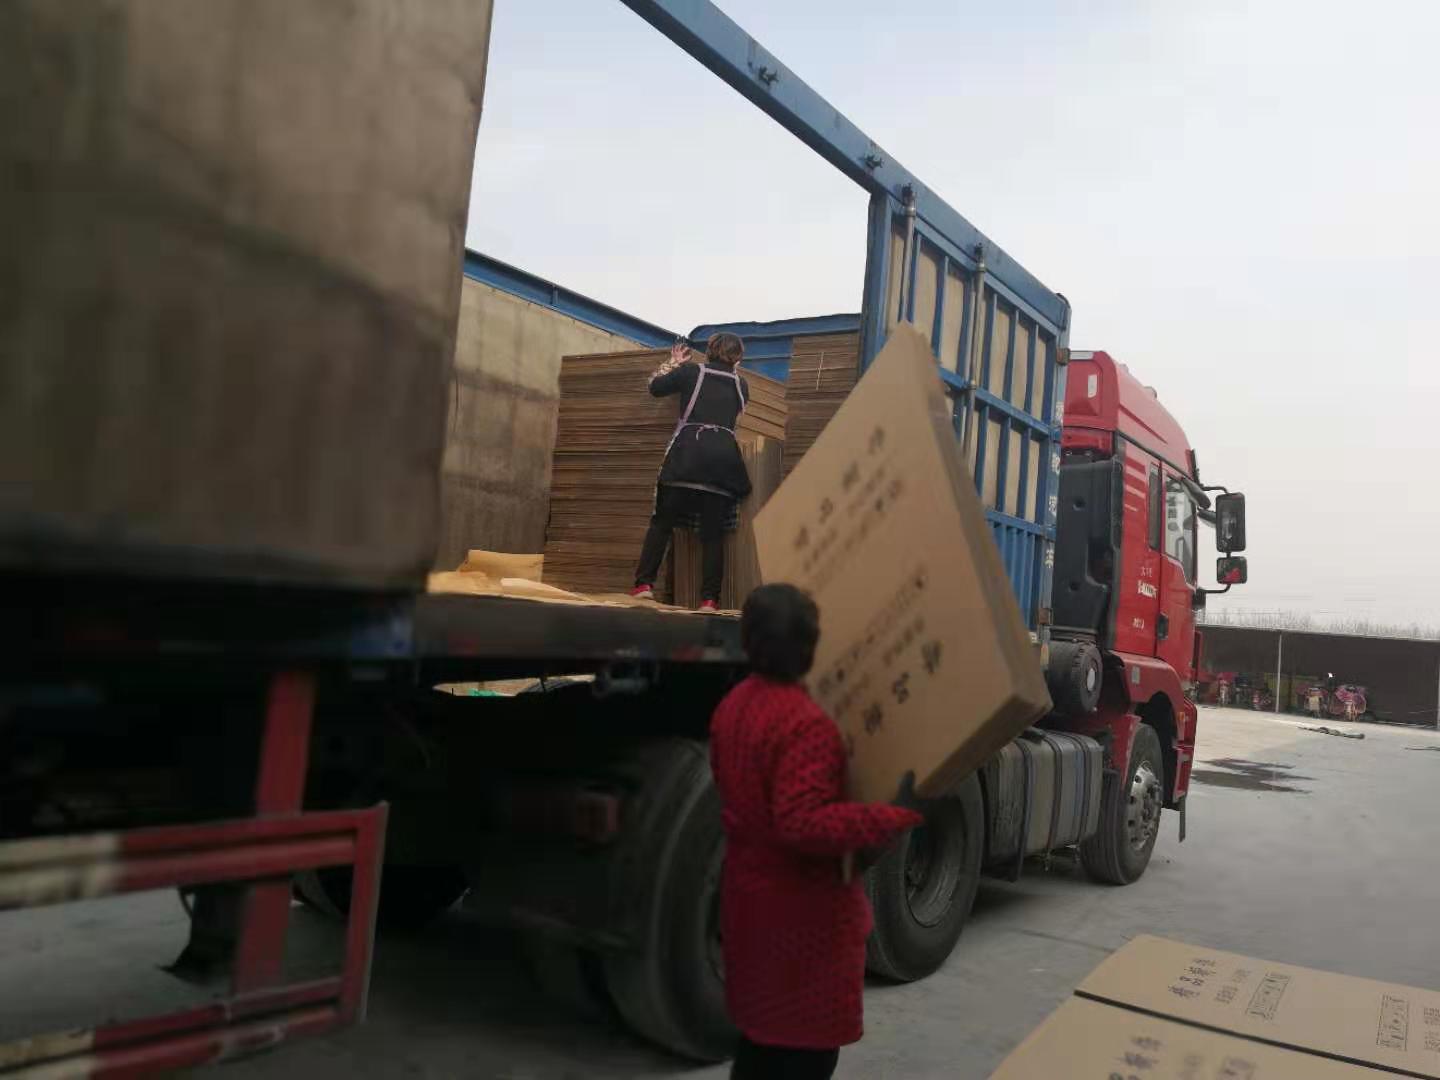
[[719, 43]]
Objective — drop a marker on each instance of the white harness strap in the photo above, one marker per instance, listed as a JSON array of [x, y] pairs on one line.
[[695, 396]]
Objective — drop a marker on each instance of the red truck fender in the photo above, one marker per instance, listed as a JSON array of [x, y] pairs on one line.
[[1154, 694], [1142, 689]]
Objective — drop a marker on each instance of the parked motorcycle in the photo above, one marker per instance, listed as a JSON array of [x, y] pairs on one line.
[[1314, 701], [1343, 701], [1348, 702]]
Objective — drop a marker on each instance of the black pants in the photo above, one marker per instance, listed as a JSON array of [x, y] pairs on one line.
[[671, 505], [756, 1062]]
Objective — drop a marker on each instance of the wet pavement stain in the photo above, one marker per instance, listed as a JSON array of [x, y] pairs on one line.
[[1250, 775]]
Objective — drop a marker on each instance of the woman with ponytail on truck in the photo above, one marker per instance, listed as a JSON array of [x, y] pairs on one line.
[[703, 477]]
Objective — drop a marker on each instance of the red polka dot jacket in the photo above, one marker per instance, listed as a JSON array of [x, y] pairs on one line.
[[794, 931]]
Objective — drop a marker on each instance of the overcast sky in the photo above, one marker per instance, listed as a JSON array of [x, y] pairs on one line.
[[1241, 201]]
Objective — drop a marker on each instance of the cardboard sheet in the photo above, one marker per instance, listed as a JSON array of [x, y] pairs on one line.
[[476, 582], [1087, 1039], [1360, 1020], [455, 581], [504, 564], [924, 660]]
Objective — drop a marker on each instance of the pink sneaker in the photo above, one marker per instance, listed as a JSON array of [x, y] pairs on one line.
[[709, 607], [643, 592]]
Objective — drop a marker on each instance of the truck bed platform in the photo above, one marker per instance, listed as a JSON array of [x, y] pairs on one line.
[[64, 620], [504, 630]]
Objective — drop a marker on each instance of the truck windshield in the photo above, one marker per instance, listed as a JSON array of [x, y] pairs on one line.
[[1180, 526]]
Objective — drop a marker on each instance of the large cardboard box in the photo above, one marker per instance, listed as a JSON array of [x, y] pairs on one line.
[[1166, 1000], [924, 660]]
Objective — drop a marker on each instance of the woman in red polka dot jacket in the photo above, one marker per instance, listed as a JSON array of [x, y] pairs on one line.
[[793, 921]]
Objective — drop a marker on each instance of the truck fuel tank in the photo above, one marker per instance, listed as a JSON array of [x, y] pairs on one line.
[[1042, 792]]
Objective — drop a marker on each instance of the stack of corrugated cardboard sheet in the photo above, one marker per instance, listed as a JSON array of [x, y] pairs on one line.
[[823, 371], [610, 442]]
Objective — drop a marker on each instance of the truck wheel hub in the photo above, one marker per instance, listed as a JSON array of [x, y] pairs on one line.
[[1142, 817]]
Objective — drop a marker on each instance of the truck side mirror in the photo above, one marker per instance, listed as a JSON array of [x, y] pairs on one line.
[[1231, 570], [1230, 524]]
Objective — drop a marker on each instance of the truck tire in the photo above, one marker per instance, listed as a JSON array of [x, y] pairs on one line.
[[923, 888], [410, 896], [670, 988], [1129, 815], [1073, 677]]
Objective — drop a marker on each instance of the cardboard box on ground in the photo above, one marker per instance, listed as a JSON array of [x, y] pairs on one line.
[[924, 659], [1163, 1008]]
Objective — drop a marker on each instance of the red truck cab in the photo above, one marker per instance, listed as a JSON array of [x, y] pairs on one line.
[[1125, 650]]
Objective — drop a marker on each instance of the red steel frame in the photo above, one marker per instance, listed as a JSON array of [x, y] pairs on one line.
[[263, 853]]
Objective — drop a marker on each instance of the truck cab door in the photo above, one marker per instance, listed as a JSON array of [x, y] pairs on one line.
[[1136, 604], [1175, 621]]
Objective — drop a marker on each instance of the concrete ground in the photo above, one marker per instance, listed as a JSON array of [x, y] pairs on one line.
[[1303, 847]]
